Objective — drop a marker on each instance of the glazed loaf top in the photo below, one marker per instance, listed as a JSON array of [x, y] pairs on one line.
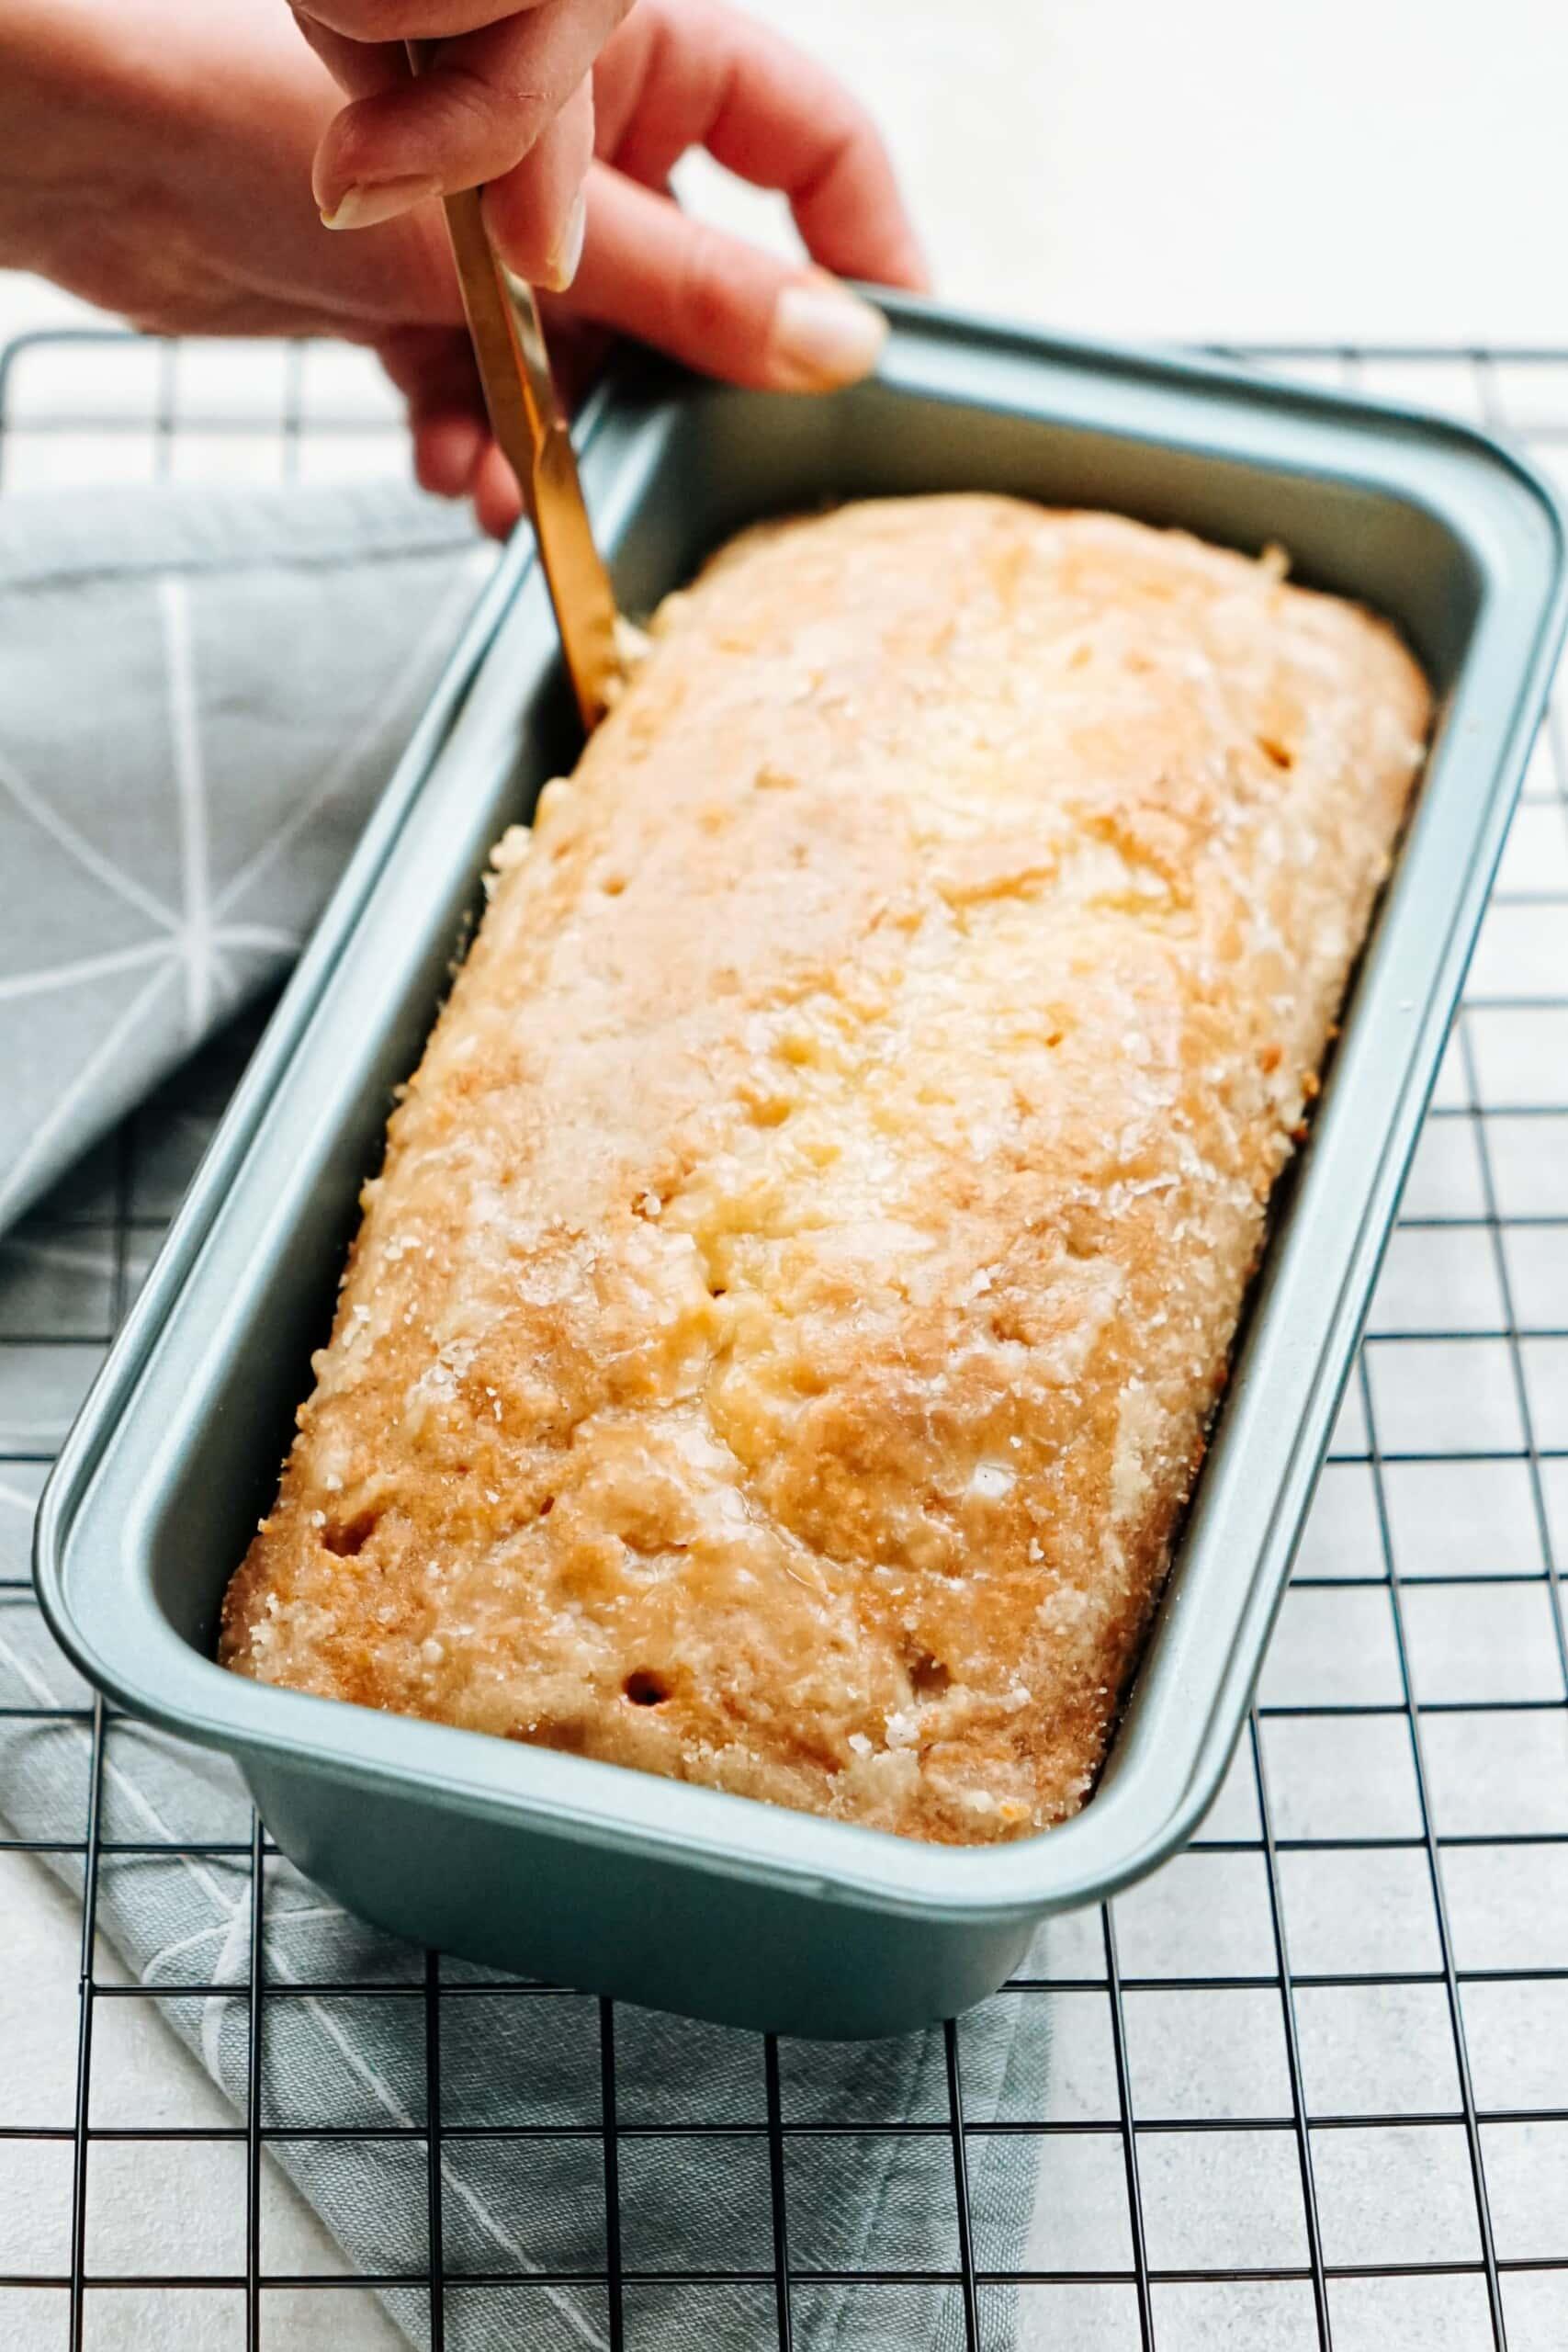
[[781, 1337]]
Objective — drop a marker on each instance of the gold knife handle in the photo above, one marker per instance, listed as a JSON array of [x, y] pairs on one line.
[[531, 432]]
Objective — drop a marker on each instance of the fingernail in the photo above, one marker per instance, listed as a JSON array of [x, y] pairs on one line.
[[568, 252], [362, 207], [822, 335]]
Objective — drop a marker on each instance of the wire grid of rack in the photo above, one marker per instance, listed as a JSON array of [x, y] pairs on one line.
[[1307, 2086]]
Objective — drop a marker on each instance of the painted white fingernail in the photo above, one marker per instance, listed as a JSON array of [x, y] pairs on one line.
[[568, 252], [364, 207], [822, 335]]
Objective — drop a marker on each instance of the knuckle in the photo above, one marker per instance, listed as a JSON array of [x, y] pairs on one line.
[[354, 19], [382, 21], [360, 144], [861, 133], [850, 137], [520, 233], [485, 103], [705, 295]]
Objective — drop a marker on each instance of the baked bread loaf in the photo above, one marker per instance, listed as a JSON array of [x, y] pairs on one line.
[[780, 1343]]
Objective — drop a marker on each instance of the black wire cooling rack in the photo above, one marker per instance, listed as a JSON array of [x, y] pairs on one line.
[[1316, 2071]]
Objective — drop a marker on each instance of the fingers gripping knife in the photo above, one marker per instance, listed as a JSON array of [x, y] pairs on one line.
[[532, 431]]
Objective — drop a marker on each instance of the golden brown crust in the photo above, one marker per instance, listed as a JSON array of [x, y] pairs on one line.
[[780, 1343]]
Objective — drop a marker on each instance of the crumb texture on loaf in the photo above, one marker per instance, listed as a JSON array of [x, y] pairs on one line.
[[780, 1340]]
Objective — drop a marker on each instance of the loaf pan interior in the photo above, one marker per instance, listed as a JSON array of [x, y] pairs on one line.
[[178, 1451]]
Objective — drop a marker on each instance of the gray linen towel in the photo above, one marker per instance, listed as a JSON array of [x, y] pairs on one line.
[[201, 694], [199, 697], [876, 2201]]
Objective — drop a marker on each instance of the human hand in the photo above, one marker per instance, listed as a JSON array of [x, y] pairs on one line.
[[681, 75], [504, 100], [159, 157]]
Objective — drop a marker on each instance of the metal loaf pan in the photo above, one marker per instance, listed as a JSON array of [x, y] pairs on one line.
[[586, 1872]]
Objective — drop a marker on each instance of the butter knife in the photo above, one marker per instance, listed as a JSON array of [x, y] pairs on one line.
[[531, 429]]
